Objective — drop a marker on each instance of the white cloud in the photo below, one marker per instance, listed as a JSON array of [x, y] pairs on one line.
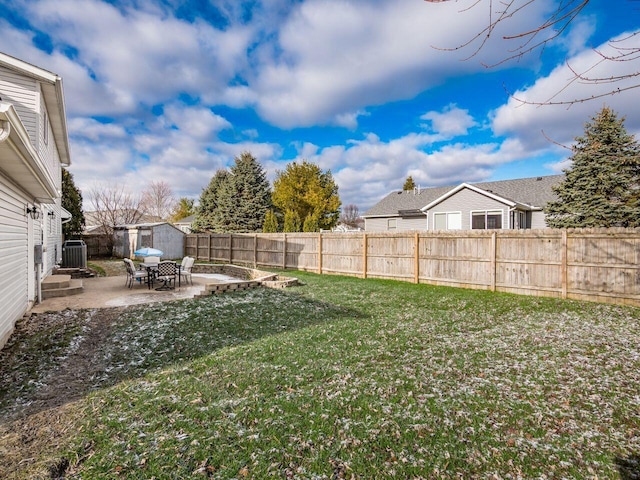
[[337, 56], [371, 168], [199, 122], [91, 129], [451, 122]]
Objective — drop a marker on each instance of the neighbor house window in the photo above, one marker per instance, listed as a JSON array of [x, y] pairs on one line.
[[486, 220], [447, 221], [392, 224]]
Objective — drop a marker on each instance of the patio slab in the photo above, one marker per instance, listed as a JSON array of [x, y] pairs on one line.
[[103, 292]]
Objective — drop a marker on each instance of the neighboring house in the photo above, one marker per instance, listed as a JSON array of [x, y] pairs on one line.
[[34, 146], [184, 224], [160, 235], [505, 204]]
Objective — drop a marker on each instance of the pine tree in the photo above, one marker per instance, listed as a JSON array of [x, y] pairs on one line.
[[270, 222], [72, 202], [207, 214], [409, 184], [245, 199], [305, 189], [601, 185]]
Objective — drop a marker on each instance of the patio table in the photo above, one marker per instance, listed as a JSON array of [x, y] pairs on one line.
[[152, 269]]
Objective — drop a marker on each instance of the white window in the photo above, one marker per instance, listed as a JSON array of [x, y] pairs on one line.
[[447, 221], [392, 224], [486, 220]]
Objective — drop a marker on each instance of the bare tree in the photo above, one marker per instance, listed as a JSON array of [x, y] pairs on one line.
[[622, 50], [158, 200], [113, 205], [350, 215]]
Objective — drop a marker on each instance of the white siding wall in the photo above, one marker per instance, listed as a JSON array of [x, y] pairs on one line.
[[14, 264], [376, 224], [47, 146], [24, 94], [538, 220], [52, 237], [414, 223], [466, 201]]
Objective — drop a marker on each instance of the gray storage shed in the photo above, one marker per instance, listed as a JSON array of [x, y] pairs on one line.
[[160, 235]]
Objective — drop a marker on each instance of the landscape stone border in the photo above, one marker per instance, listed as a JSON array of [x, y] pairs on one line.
[[248, 278]]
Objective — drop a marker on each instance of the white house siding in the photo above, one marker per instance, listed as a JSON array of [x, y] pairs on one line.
[[52, 234], [378, 224], [16, 286], [47, 149], [413, 223], [466, 201], [538, 220], [24, 93]]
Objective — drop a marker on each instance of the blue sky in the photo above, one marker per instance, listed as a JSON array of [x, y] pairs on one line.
[[173, 90]]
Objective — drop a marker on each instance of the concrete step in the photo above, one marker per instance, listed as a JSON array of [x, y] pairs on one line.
[[54, 282], [73, 287]]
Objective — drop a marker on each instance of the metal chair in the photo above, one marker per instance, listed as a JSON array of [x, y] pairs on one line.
[[167, 272], [185, 269], [133, 274]]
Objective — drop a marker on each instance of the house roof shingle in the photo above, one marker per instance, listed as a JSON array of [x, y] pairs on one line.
[[533, 191]]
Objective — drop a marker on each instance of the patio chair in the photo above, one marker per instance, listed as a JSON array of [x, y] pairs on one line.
[[167, 272], [185, 269], [133, 274]]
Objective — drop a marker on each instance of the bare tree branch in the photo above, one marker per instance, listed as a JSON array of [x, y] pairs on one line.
[[158, 200], [552, 28], [114, 206]]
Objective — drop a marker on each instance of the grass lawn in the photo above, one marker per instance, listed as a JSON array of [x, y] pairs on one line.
[[351, 378]]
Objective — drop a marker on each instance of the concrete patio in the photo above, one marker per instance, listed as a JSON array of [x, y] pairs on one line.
[[102, 292]]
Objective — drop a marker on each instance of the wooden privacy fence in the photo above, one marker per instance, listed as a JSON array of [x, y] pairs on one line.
[[588, 264]]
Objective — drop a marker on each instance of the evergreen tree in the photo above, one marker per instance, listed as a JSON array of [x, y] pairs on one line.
[[245, 198], [409, 184], [311, 223], [207, 214], [270, 222], [291, 221], [72, 202], [601, 185], [305, 189]]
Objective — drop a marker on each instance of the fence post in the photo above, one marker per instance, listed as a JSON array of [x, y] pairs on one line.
[[209, 248], [231, 248], [255, 250], [494, 247], [284, 251], [416, 267], [365, 247], [320, 253], [564, 263]]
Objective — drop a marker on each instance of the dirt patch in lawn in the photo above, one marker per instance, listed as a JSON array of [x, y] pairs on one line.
[[40, 416]]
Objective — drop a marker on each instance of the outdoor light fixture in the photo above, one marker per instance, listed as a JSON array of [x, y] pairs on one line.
[[51, 214], [34, 212]]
